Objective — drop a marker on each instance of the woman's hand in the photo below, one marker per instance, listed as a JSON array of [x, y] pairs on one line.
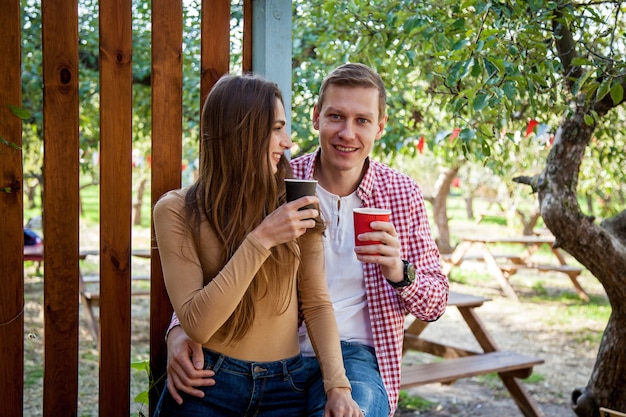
[[339, 403], [287, 222]]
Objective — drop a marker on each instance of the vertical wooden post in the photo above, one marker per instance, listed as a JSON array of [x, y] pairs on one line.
[[247, 37], [167, 99], [115, 205], [60, 206], [215, 44], [11, 206]]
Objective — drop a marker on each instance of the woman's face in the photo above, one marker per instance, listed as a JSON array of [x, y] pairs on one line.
[[279, 140]]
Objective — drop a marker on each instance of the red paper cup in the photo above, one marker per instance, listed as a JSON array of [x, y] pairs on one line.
[[363, 217]]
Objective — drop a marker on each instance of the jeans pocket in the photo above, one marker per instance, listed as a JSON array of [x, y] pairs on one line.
[[298, 378]]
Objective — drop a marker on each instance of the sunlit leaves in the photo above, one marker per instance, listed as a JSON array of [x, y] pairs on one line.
[[617, 92]]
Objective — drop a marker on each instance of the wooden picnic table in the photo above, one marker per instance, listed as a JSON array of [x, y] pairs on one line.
[[462, 363], [90, 298], [502, 266]]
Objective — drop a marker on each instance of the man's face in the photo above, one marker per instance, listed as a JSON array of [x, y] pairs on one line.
[[348, 124]]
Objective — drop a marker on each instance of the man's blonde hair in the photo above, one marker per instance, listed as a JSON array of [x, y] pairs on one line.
[[355, 75]]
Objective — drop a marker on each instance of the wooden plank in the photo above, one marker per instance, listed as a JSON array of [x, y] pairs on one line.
[[61, 147], [11, 207], [167, 82], [478, 257], [215, 44], [452, 369], [247, 37], [412, 342], [605, 412], [458, 299], [524, 401], [566, 269], [115, 204]]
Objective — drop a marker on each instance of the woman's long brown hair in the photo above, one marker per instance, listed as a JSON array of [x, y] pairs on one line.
[[236, 189]]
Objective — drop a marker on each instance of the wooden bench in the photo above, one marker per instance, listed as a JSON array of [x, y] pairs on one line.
[[571, 271], [501, 267], [460, 363], [516, 259], [449, 370], [89, 293]]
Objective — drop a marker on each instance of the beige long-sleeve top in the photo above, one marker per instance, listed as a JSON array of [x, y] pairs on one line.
[[204, 293]]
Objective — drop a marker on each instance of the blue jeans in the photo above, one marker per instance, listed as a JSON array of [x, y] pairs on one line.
[[362, 370], [242, 388]]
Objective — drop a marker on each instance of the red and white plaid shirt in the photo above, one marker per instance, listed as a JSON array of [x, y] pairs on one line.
[[427, 297]]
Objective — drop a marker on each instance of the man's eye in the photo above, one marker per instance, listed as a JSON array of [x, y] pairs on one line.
[[363, 121]]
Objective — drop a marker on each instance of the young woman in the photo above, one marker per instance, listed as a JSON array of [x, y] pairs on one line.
[[238, 262]]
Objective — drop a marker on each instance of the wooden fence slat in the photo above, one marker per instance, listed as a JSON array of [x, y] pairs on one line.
[[167, 98], [247, 37], [11, 207], [215, 44], [60, 206], [115, 205]]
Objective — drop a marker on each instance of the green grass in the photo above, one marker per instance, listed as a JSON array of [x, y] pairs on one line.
[[468, 276], [33, 375], [414, 403], [90, 205]]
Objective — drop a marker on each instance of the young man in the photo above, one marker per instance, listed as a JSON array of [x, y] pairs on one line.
[[372, 287]]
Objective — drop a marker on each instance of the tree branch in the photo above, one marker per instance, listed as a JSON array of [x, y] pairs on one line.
[[535, 181], [566, 48]]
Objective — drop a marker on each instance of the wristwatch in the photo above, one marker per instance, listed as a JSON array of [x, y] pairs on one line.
[[409, 275]]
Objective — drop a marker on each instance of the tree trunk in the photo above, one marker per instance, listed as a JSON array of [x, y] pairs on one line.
[[440, 209], [139, 201], [469, 207], [529, 223], [600, 249]]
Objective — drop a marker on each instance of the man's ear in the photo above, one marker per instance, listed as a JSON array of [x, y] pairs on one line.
[[381, 127], [316, 118]]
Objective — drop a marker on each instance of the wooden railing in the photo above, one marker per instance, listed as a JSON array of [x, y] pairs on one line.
[[61, 178]]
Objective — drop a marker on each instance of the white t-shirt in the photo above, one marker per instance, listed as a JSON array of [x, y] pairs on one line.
[[344, 272]]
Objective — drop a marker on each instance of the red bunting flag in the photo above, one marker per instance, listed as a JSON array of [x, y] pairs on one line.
[[420, 145], [532, 123], [455, 133]]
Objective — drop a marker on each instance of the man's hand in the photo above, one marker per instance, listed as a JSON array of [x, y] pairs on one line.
[[339, 403], [185, 363], [387, 254]]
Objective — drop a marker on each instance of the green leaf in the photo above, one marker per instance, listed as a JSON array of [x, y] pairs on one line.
[[480, 101], [588, 120], [603, 90], [9, 143], [509, 90], [140, 365], [467, 134], [21, 113], [142, 397], [458, 45], [617, 93]]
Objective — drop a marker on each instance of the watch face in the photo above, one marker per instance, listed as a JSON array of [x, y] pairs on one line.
[[409, 276], [410, 272]]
